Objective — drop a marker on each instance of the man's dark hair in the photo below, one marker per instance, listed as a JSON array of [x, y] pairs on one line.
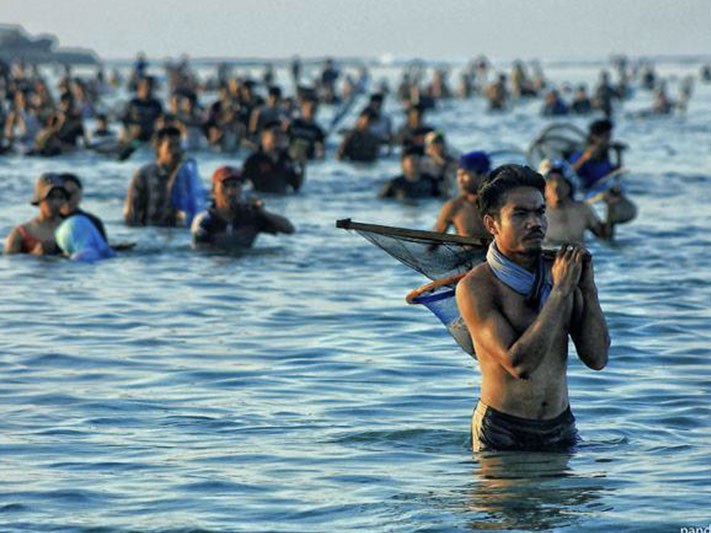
[[149, 80], [66, 97], [164, 133], [600, 127], [370, 113], [68, 177], [501, 180], [275, 91], [376, 97], [411, 150]]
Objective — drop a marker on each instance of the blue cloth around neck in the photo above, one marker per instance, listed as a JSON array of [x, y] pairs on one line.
[[518, 278]]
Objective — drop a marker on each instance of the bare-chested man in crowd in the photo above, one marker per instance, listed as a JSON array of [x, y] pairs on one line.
[[568, 219], [520, 308], [462, 211]]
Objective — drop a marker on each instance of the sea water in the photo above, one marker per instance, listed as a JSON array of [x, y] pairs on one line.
[[290, 388]]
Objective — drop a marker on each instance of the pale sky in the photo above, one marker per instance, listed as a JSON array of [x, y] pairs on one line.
[[431, 29]]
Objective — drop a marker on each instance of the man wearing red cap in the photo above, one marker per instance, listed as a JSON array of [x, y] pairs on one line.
[[233, 221]]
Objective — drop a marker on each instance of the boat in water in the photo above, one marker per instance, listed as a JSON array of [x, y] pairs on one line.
[[17, 45]]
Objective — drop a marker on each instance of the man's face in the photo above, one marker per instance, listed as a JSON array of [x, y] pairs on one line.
[[228, 194], [411, 166], [436, 147], [602, 140], [20, 99], [269, 140], [308, 110], [557, 189], [169, 151], [143, 90], [468, 181], [51, 206], [522, 223], [74, 197]]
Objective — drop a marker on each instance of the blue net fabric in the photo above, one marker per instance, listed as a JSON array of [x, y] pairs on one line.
[[440, 300]]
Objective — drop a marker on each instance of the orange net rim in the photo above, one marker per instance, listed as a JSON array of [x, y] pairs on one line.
[[449, 280]]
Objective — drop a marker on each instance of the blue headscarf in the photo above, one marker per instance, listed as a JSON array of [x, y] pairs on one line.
[[78, 237]]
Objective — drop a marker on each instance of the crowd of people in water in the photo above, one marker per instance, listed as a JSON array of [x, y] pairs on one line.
[[520, 307], [282, 133]]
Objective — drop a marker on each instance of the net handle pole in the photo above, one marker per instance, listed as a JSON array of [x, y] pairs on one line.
[[395, 231]]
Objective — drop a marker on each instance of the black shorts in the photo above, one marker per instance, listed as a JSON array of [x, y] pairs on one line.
[[494, 430]]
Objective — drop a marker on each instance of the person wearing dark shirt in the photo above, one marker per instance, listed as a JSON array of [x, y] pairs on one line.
[[329, 77], [74, 189], [581, 103], [412, 183], [248, 102], [554, 105], [272, 111], [71, 128], [360, 144], [604, 95], [64, 129], [295, 68], [234, 222], [270, 168], [593, 164], [149, 200], [413, 132], [306, 138], [142, 112]]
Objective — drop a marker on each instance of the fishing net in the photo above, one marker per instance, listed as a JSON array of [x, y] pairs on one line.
[[441, 257], [439, 298], [557, 141], [434, 255]]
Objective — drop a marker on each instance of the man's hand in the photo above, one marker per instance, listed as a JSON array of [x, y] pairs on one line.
[[567, 268], [44, 248], [587, 276]]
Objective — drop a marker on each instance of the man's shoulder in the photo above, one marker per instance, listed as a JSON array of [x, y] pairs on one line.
[[91, 216], [478, 287], [582, 209], [254, 157], [148, 168], [451, 206], [478, 276]]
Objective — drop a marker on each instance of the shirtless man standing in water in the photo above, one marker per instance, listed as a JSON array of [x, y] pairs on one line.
[[568, 219], [520, 309], [462, 212]]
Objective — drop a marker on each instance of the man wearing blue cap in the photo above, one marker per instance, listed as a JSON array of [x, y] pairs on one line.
[[462, 212]]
